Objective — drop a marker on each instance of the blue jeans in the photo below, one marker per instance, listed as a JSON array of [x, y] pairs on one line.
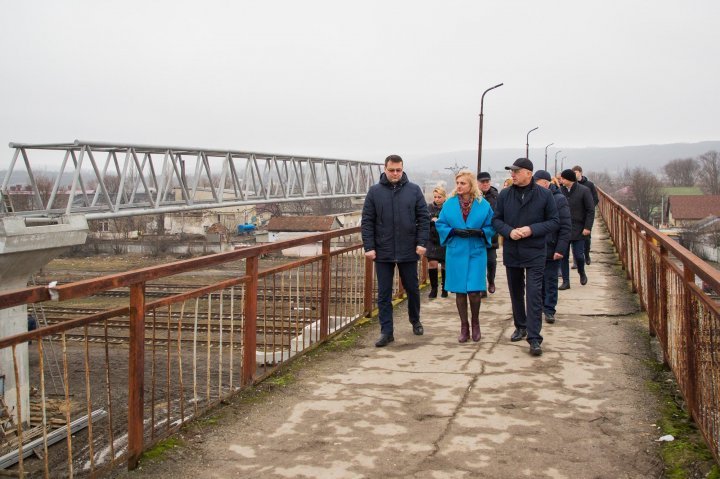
[[527, 299], [578, 251], [408, 275], [550, 286]]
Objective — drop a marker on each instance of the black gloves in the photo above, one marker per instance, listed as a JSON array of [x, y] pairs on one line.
[[468, 232]]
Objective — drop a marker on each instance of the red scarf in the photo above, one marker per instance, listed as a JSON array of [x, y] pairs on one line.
[[465, 207]]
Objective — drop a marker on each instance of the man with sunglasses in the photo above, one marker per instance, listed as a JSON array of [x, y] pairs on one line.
[[395, 228]]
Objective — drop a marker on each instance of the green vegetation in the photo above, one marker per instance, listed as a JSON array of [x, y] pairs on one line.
[[158, 451], [681, 190], [687, 455]]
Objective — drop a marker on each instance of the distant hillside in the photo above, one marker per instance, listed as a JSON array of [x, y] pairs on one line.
[[612, 160]]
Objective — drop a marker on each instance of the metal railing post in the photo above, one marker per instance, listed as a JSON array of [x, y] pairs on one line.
[[649, 281], [249, 364], [368, 296], [688, 328], [136, 374], [325, 290]]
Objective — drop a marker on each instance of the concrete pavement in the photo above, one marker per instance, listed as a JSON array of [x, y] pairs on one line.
[[428, 407]]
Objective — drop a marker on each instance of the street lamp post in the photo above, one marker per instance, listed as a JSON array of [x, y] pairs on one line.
[[551, 144], [482, 99], [527, 142], [562, 162], [556, 154]]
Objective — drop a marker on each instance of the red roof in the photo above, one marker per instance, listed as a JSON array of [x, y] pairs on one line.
[[694, 207]]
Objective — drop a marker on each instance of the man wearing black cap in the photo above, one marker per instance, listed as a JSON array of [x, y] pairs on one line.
[[490, 193], [525, 214], [557, 245], [582, 213]]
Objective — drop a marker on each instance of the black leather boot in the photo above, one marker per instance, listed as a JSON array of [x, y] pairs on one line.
[[461, 302], [433, 275], [475, 315], [444, 292]]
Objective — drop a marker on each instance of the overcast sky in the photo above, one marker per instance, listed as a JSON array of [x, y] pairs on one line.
[[359, 79]]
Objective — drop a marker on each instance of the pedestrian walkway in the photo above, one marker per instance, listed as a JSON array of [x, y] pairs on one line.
[[428, 407]]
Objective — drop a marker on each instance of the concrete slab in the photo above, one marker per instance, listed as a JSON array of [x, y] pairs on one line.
[[428, 407]]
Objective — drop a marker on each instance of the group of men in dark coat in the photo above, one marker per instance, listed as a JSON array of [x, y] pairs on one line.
[[582, 211], [535, 219], [539, 222]]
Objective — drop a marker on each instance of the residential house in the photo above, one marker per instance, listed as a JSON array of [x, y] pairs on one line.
[[686, 211]]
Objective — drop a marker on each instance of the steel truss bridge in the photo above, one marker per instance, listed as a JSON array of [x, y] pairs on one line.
[[114, 180]]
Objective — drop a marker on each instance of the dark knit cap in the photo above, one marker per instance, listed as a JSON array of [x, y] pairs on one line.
[[542, 175], [569, 175]]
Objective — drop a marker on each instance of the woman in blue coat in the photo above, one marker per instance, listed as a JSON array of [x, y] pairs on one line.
[[465, 229]]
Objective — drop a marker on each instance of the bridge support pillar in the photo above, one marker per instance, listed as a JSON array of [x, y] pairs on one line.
[[25, 247]]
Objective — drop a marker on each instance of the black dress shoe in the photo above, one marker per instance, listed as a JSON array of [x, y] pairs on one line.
[[549, 318], [583, 279], [535, 348], [418, 329], [564, 286], [587, 259], [444, 294], [518, 334], [384, 340]]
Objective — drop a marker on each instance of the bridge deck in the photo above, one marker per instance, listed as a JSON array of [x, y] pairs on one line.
[[430, 407]]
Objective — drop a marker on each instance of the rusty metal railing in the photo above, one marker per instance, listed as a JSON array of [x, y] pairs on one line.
[[136, 373], [675, 288]]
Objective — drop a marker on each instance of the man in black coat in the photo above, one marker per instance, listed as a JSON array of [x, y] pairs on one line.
[[490, 193], [525, 214], [589, 184], [582, 212], [395, 226], [557, 245]]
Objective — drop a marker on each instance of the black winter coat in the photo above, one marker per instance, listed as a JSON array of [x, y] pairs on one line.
[[531, 206], [559, 241], [394, 220], [434, 250], [589, 184], [582, 210], [492, 196]]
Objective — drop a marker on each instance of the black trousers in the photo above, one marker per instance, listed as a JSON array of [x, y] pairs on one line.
[[491, 265], [526, 295], [588, 241], [409, 277]]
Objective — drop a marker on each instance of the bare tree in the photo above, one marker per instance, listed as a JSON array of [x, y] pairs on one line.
[[681, 172], [44, 184], [709, 172], [274, 209], [602, 180], [646, 192]]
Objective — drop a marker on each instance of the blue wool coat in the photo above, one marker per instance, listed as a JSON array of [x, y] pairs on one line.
[[465, 258]]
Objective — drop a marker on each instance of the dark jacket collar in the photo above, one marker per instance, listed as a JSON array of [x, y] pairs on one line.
[[491, 193], [384, 180], [530, 186]]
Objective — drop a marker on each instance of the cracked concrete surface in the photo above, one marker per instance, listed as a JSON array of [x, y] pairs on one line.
[[428, 407]]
